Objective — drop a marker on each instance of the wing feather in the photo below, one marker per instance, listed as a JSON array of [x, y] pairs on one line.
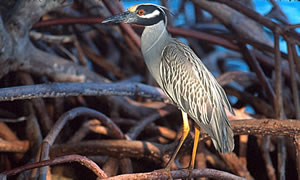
[[194, 90]]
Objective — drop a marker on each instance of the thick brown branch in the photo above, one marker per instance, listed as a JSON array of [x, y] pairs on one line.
[[77, 89], [266, 127], [115, 148], [180, 174]]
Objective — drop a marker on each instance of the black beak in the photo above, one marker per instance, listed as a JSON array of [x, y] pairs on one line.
[[125, 17]]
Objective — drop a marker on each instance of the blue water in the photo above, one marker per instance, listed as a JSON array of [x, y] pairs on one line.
[[291, 9]]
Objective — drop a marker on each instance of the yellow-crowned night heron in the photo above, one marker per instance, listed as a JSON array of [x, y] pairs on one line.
[[182, 76]]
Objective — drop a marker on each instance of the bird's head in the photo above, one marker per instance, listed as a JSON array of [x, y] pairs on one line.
[[141, 14]]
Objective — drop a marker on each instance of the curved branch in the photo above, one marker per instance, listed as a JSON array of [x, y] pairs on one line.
[[80, 111], [59, 160]]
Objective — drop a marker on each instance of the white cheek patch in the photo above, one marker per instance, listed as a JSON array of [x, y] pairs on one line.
[[151, 15]]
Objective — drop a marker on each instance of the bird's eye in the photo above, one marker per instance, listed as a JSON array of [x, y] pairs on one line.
[[141, 12]]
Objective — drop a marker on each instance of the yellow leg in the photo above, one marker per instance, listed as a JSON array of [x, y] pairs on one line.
[[185, 132], [196, 139]]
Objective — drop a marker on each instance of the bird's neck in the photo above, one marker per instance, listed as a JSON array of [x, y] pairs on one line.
[[154, 39], [153, 36]]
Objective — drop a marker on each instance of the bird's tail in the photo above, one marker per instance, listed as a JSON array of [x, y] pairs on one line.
[[226, 143], [221, 133]]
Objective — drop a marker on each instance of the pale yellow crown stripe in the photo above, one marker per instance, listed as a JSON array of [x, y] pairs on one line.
[[133, 8]]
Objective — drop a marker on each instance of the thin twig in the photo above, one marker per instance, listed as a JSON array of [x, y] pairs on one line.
[[243, 149], [265, 147], [293, 80], [136, 130], [297, 144], [259, 72], [296, 58], [278, 104], [39, 105]]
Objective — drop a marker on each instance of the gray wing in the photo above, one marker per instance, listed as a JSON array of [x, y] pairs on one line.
[[194, 90]]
